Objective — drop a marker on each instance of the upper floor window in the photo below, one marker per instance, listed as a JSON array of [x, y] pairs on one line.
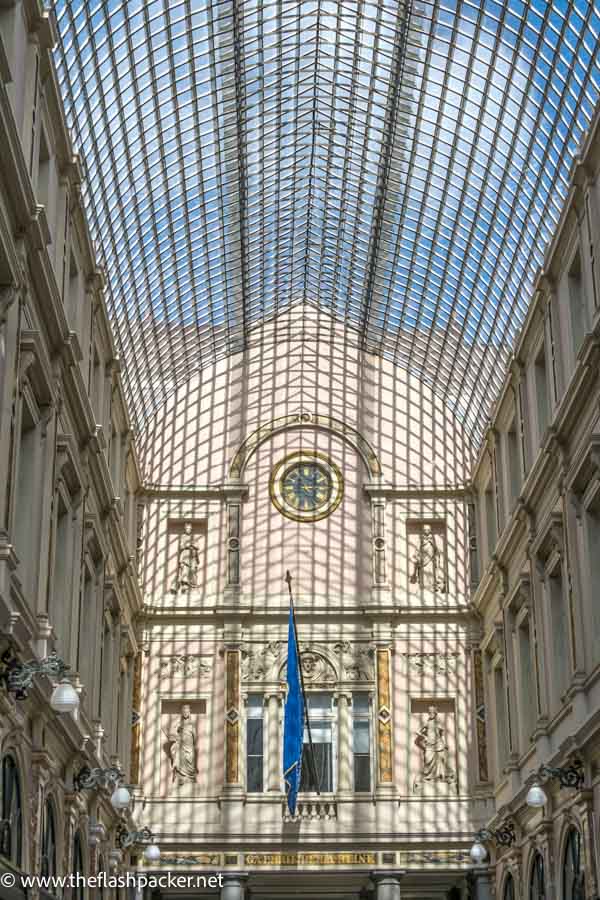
[[254, 743], [11, 824], [572, 872], [361, 741], [537, 890], [322, 727], [48, 862]]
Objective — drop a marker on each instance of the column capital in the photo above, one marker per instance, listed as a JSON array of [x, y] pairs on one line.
[[379, 875]]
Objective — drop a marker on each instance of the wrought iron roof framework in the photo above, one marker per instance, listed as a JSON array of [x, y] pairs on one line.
[[400, 166]]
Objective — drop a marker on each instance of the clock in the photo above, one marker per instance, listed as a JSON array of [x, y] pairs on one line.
[[306, 486]]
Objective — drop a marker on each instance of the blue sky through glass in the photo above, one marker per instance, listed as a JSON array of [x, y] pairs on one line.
[[400, 165]]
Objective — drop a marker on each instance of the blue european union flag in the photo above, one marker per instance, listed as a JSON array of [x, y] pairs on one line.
[[293, 723]]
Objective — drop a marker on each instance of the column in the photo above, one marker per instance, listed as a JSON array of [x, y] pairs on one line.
[[273, 746], [481, 884], [344, 743], [387, 885], [234, 886]]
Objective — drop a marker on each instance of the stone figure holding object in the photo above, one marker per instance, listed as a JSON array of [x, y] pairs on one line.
[[182, 750], [431, 741], [188, 562], [428, 563]]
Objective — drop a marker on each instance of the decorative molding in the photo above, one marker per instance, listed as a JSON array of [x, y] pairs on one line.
[[186, 664], [305, 420], [316, 667], [431, 662], [258, 663], [357, 661], [197, 859]]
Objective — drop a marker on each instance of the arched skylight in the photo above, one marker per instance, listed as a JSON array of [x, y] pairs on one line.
[[399, 165]]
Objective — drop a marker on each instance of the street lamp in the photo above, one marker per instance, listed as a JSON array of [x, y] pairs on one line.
[[571, 776], [126, 839], [504, 836], [110, 779], [18, 678]]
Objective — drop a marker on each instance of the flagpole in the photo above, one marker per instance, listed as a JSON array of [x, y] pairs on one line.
[[311, 755]]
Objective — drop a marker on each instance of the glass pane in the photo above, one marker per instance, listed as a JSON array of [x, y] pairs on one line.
[[360, 703], [323, 758], [319, 731], [319, 704], [255, 773], [361, 737], [255, 706], [254, 736], [362, 773]]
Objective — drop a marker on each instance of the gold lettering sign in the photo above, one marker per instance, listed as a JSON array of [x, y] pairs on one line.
[[310, 859]]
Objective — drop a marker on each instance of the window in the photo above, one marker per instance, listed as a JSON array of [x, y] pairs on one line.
[[11, 834], [541, 390], [509, 888], [254, 743], [577, 304], [320, 710], [536, 884], [361, 741], [48, 862], [572, 873], [78, 889]]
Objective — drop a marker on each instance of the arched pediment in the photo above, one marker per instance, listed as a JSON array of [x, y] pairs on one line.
[[314, 421]]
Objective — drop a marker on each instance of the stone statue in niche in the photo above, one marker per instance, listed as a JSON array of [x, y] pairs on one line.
[[428, 565], [188, 562], [181, 750], [431, 741]]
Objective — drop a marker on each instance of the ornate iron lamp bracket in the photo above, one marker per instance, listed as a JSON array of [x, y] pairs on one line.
[[18, 676], [87, 779], [126, 839], [504, 836], [570, 776]]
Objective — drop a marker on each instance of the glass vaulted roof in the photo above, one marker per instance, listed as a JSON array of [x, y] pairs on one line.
[[400, 165]]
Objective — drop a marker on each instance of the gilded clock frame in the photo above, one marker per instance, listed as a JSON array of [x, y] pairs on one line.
[[279, 471]]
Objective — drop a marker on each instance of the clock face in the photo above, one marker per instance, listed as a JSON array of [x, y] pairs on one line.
[[306, 486]]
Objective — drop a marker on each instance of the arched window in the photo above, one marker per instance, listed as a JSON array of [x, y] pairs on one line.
[[509, 888], [536, 884], [11, 831], [78, 890], [48, 841], [572, 874]]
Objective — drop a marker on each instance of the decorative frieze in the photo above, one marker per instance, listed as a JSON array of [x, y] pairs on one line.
[[258, 662], [431, 662], [357, 661], [348, 662], [185, 664]]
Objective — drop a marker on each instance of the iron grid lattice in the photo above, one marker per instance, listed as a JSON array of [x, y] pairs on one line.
[[399, 165]]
